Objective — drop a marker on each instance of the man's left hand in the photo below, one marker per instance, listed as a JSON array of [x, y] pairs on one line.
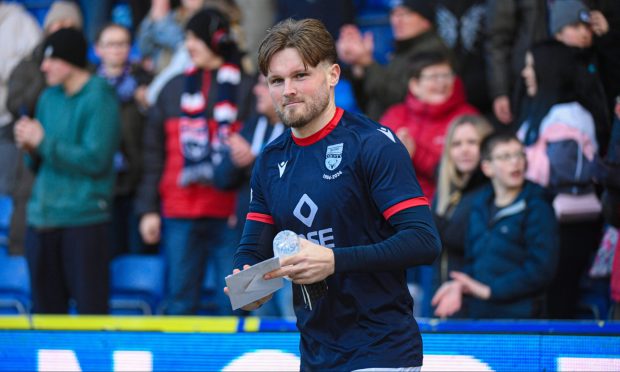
[[312, 264], [472, 286], [28, 133]]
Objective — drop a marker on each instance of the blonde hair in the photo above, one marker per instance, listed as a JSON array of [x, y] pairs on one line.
[[449, 177]]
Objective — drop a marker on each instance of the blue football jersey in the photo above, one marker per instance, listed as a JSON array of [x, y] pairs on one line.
[[338, 188]]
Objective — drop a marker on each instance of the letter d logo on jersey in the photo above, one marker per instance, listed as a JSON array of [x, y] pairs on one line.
[[333, 156]]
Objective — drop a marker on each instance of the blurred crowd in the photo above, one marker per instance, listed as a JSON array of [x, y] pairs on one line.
[[136, 132]]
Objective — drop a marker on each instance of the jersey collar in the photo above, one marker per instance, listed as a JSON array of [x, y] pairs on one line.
[[316, 137]]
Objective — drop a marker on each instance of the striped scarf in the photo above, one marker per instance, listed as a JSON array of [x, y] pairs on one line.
[[203, 138]]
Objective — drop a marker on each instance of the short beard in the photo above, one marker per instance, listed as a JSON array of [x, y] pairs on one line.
[[314, 110]]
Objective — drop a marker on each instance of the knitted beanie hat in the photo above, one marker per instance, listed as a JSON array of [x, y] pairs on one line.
[[425, 8], [213, 28], [67, 44], [567, 12]]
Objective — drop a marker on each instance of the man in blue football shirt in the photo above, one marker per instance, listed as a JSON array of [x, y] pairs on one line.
[[346, 185]]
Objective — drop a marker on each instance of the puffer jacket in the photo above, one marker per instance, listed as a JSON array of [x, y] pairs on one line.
[[514, 251], [428, 124]]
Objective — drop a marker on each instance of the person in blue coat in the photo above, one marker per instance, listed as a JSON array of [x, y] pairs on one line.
[[511, 249]]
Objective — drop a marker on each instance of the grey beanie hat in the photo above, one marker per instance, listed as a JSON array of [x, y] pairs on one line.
[[567, 12]]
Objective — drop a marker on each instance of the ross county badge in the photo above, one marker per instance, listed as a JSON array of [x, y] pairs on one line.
[[333, 156]]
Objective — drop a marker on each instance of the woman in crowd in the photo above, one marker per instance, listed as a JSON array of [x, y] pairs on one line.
[[459, 177], [436, 96], [559, 133]]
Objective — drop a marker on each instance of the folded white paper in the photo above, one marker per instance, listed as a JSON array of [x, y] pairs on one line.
[[248, 285]]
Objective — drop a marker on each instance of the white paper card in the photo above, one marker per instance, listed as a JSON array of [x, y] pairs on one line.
[[248, 285]]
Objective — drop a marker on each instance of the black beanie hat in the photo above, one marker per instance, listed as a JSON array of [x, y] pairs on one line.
[[425, 8], [67, 44], [213, 28]]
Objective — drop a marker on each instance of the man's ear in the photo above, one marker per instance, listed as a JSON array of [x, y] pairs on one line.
[[334, 74]]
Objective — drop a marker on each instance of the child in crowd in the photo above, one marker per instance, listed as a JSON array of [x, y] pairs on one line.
[[511, 249]]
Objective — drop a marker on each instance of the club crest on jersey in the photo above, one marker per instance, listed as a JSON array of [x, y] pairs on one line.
[[333, 156]]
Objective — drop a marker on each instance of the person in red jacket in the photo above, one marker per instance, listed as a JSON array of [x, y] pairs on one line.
[[436, 97]]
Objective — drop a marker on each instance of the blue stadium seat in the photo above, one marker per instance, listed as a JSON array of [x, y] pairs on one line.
[[137, 284], [6, 210], [14, 285]]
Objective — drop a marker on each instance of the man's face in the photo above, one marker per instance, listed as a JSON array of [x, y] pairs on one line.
[[407, 24], [506, 167], [299, 94], [199, 52], [56, 70], [113, 46], [578, 35]]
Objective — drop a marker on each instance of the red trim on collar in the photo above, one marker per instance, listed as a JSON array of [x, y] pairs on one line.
[[316, 137]]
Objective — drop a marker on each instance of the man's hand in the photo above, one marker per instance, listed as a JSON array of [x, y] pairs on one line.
[[28, 133], [150, 228], [240, 151], [312, 264], [448, 299], [599, 23], [501, 109], [471, 286], [253, 305], [354, 48]]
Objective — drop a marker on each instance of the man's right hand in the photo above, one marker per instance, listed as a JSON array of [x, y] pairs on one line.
[[448, 299], [150, 228], [253, 305]]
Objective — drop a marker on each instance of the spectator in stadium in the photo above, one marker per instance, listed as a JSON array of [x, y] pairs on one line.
[[25, 84], [378, 87], [129, 81], [184, 140], [575, 25], [161, 31], [14, 20], [180, 60], [71, 144], [559, 133], [436, 96], [511, 247], [512, 27], [459, 177], [461, 25]]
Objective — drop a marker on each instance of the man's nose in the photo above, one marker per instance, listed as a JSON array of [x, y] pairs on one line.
[[289, 88]]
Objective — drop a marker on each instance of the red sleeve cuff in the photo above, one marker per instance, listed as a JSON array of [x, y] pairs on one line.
[[260, 217], [409, 203]]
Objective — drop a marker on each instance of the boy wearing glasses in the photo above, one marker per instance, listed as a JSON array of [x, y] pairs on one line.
[[511, 248]]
